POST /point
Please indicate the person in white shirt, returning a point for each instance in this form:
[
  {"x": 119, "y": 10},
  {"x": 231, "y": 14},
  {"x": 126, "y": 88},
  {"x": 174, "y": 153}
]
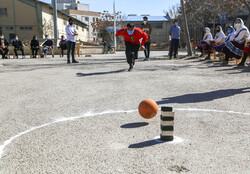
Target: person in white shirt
[
  {"x": 221, "y": 44},
  {"x": 204, "y": 44},
  {"x": 71, "y": 41},
  {"x": 234, "y": 47},
  {"x": 220, "y": 35}
]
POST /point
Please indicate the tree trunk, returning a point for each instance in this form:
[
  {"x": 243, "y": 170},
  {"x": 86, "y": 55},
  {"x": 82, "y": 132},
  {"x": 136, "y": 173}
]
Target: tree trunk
[
  {"x": 248, "y": 7},
  {"x": 189, "y": 48},
  {"x": 248, "y": 19}
]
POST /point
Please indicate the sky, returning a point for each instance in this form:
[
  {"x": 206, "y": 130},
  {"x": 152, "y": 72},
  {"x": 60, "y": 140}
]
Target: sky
[{"x": 139, "y": 7}]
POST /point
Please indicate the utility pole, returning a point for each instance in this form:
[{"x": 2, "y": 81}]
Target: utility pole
[
  {"x": 114, "y": 26},
  {"x": 54, "y": 4},
  {"x": 189, "y": 48}
]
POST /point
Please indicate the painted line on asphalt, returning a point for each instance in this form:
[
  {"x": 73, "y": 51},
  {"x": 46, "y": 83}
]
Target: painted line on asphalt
[{"x": 91, "y": 114}]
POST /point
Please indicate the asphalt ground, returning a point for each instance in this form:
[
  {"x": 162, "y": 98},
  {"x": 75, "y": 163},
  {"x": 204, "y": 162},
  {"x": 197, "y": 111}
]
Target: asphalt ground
[{"x": 82, "y": 118}]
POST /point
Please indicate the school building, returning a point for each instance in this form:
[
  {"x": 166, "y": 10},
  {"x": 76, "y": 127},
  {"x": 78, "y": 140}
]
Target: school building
[
  {"x": 26, "y": 18},
  {"x": 160, "y": 26}
]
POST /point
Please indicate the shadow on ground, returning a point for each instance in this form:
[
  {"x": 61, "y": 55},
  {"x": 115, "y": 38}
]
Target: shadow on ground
[
  {"x": 134, "y": 125},
  {"x": 99, "y": 73},
  {"x": 145, "y": 144},
  {"x": 204, "y": 97}
]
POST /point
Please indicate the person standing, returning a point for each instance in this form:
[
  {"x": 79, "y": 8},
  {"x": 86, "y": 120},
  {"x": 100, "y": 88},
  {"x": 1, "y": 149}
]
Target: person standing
[
  {"x": 3, "y": 46},
  {"x": 132, "y": 36},
  {"x": 18, "y": 45},
  {"x": 147, "y": 28},
  {"x": 174, "y": 33},
  {"x": 34, "y": 45},
  {"x": 71, "y": 41}
]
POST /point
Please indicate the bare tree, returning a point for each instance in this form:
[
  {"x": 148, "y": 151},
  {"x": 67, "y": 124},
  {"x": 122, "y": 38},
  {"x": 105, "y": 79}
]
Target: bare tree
[
  {"x": 47, "y": 27},
  {"x": 173, "y": 12},
  {"x": 105, "y": 21},
  {"x": 189, "y": 48}
]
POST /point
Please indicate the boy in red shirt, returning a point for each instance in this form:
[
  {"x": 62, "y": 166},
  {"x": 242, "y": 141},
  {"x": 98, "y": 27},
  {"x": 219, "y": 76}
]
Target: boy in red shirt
[{"x": 132, "y": 36}]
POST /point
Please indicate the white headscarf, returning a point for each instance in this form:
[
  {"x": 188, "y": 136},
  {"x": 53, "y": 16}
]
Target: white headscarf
[
  {"x": 219, "y": 35},
  {"x": 208, "y": 36},
  {"x": 239, "y": 33}
]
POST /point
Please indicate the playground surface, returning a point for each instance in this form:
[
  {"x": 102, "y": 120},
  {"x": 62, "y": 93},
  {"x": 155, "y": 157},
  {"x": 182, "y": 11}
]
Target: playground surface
[{"x": 82, "y": 118}]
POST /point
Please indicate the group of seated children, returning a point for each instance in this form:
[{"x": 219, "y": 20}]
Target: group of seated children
[
  {"x": 34, "y": 46},
  {"x": 232, "y": 46}
]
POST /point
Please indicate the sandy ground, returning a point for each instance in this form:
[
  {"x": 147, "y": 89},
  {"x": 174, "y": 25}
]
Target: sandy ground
[{"x": 82, "y": 118}]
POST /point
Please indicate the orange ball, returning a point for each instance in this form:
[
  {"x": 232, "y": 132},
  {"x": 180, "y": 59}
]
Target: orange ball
[{"x": 148, "y": 108}]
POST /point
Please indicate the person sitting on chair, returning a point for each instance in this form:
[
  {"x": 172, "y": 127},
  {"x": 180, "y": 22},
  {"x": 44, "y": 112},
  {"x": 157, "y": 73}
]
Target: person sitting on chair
[
  {"x": 246, "y": 53},
  {"x": 204, "y": 45},
  {"x": 18, "y": 45},
  {"x": 47, "y": 45},
  {"x": 63, "y": 44},
  {"x": 234, "y": 47},
  {"x": 34, "y": 45},
  {"x": 3, "y": 46}
]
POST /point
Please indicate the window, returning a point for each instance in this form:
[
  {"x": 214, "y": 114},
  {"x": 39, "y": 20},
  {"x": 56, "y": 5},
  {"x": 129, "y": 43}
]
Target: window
[
  {"x": 93, "y": 19},
  {"x": 1, "y": 31},
  {"x": 9, "y": 28},
  {"x": 67, "y": 6},
  {"x": 26, "y": 28},
  {"x": 3, "y": 11},
  {"x": 64, "y": 21},
  {"x": 86, "y": 18},
  {"x": 157, "y": 25}
]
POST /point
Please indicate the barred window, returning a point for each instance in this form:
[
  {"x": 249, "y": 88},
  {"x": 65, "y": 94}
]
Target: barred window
[
  {"x": 157, "y": 25},
  {"x": 3, "y": 11},
  {"x": 9, "y": 28},
  {"x": 26, "y": 28}
]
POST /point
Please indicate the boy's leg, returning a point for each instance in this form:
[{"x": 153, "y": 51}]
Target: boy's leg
[
  {"x": 22, "y": 52},
  {"x": 129, "y": 54},
  {"x": 176, "y": 46},
  {"x": 1, "y": 52},
  {"x": 243, "y": 61},
  {"x": 148, "y": 48},
  {"x": 135, "y": 50},
  {"x": 171, "y": 48},
  {"x": 73, "y": 52},
  {"x": 68, "y": 51},
  {"x": 15, "y": 50}
]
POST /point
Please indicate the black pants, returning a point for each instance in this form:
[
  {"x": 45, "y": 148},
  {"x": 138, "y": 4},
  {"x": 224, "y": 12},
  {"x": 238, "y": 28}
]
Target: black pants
[
  {"x": 71, "y": 47},
  {"x": 131, "y": 52},
  {"x": 174, "y": 47},
  {"x": 147, "y": 49},
  {"x": 244, "y": 58},
  {"x": 34, "y": 51},
  {"x": 4, "y": 51},
  {"x": 63, "y": 47},
  {"x": 21, "y": 49}
]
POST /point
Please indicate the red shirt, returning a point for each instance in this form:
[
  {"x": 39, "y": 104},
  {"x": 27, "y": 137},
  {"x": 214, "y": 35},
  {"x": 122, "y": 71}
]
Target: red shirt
[{"x": 135, "y": 37}]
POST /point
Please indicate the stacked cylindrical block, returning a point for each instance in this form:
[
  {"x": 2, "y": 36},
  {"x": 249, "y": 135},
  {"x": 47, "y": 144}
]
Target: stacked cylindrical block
[{"x": 167, "y": 123}]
